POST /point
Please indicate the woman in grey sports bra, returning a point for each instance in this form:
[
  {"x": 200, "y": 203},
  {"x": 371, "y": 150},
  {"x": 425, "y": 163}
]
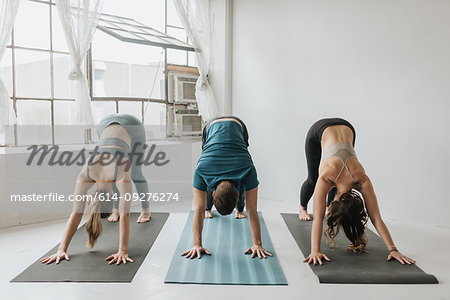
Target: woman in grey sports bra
[
  {"x": 127, "y": 128},
  {"x": 113, "y": 165},
  {"x": 335, "y": 172}
]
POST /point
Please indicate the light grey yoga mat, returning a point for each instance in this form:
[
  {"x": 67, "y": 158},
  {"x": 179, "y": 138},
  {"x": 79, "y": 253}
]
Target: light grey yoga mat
[
  {"x": 227, "y": 239},
  {"x": 89, "y": 265},
  {"x": 347, "y": 267}
]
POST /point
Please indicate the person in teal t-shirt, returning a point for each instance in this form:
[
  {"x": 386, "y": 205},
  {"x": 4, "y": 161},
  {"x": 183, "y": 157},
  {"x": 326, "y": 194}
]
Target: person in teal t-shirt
[{"x": 225, "y": 176}]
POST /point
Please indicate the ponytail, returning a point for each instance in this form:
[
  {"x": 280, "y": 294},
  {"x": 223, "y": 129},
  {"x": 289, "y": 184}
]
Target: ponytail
[{"x": 94, "y": 225}]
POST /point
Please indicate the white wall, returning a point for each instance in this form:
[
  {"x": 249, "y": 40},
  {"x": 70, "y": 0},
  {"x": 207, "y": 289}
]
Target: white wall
[
  {"x": 220, "y": 73},
  {"x": 383, "y": 65}
]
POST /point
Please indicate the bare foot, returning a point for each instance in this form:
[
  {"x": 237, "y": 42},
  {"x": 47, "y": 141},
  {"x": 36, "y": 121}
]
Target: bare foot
[
  {"x": 208, "y": 214},
  {"x": 144, "y": 217},
  {"x": 239, "y": 215},
  {"x": 114, "y": 216},
  {"x": 303, "y": 214}
]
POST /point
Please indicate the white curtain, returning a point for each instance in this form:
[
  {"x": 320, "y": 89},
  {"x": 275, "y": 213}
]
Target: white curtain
[
  {"x": 8, "y": 12},
  {"x": 195, "y": 15},
  {"x": 79, "y": 20}
]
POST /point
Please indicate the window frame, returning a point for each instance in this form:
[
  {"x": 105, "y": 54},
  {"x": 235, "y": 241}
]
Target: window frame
[{"x": 89, "y": 74}]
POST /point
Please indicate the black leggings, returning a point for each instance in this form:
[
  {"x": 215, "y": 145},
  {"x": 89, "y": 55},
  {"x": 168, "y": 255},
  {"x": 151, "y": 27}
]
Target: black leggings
[{"x": 313, "y": 151}]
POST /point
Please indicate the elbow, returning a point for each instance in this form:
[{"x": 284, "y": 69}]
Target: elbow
[
  {"x": 318, "y": 219},
  {"x": 199, "y": 207},
  {"x": 252, "y": 212},
  {"x": 377, "y": 221},
  {"x": 76, "y": 216}
]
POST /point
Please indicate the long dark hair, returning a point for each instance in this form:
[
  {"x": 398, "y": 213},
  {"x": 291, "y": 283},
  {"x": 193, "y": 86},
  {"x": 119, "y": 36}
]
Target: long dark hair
[{"x": 348, "y": 212}]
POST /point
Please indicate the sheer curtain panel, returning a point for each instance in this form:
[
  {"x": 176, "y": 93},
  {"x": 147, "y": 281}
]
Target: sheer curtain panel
[
  {"x": 195, "y": 15},
  {"x": 8, "y": 12},
  {"x": 79, "y": 20}
]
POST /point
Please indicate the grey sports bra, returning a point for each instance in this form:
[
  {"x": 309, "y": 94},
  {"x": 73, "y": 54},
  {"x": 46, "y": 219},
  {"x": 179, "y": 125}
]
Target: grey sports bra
[
  {"x": 118, "y": 153},
  {"x": 343, "y": 151}
]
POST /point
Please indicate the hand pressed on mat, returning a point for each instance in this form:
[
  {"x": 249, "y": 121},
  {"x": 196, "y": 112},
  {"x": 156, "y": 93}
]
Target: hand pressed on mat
[
  {"x": 316, "y": 257},
  {"x": 118, "y": 258},
  {"x": 400, "y": 257},
  {"x": 58, "y": 256},
  {"x": 196, "y": 251},
  {"x": 258, "y": 250}
]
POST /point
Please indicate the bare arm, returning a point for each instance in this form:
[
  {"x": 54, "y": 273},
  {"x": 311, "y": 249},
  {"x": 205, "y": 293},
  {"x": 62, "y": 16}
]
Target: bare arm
[
  {"x": 123, "y": 184},
  {"x": 125, "y": 189},
  {"x": 373, "y": 210},
  {"x": 251, "y": 198},
  {"x": 197, "y": 225},
  {"x": 82, "y": 187},
  {"x": 199, "y": 213},
  {"x": 323, "y": 185},
  {"x": 320, "y": 204}
]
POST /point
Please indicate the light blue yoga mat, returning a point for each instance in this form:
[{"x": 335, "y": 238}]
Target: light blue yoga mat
[{"x": 227, "y": 239}]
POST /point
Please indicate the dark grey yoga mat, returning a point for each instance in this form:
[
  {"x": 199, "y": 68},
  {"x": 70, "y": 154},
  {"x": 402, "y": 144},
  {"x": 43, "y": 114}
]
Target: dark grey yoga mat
[
  {"x": 89, "y": 265},
  {"x": 347, "y": 267}
]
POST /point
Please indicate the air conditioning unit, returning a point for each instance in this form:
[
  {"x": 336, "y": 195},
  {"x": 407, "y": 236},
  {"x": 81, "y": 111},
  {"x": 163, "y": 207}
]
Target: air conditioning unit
[
  {"x": 181, "y": 88},
  {"x": 187, "y": 122},
  {"x": 182, "y": 112}
]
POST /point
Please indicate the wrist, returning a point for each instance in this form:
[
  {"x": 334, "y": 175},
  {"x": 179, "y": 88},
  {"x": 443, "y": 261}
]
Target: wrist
[{"x": 392, "y": 249}]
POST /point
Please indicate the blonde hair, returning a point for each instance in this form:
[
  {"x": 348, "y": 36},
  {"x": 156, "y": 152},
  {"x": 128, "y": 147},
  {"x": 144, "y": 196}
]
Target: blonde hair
[{"x": 94, "y": 225}]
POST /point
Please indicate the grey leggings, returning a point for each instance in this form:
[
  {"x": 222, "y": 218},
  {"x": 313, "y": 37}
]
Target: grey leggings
[{"x": 136, "y": 132}]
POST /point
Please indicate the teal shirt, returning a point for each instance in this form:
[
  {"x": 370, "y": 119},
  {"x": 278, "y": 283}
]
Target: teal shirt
[{"x": 225, "y": 157}]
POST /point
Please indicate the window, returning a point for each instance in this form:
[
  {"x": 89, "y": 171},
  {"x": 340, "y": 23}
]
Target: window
[{"x": 130, "y": 79}]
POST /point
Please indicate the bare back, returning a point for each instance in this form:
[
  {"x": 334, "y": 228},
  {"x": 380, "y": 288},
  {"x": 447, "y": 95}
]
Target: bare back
[
  {"x": 102, "y": 174},
  {"x": 226, "y": 119},
  {"x": 332, "y": 168},
  {"x": 115, "y": 131}
]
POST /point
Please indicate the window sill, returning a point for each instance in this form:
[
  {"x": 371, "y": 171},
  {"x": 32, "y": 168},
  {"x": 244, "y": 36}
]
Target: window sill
[{"x": 77, "y": 147}]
